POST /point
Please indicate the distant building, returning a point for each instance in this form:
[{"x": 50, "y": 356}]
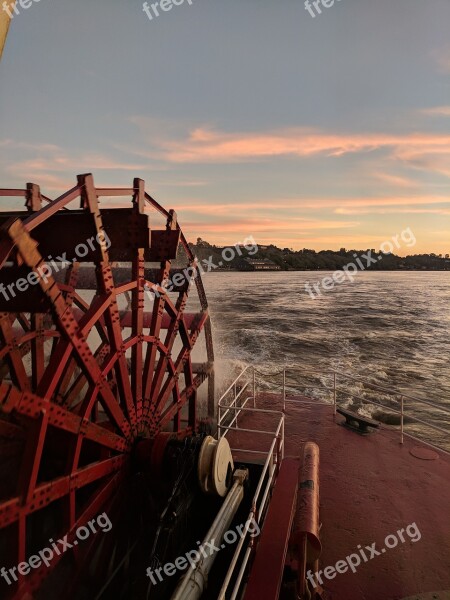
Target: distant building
[
  {"x": 258, "y": 264},
  {"x": 245, "y": 246}
]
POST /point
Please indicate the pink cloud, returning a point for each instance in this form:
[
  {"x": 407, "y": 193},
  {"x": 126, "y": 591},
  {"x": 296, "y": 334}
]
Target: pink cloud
[
  {"x": 392, "y": 211},
  {"x": 265, "y": 224},
  {"x": 300, "y": 204},
  {"x": 443, "y": 111},
  {"x": 204, "y": 145}
]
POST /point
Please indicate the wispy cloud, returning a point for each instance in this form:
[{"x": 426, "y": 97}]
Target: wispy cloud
[
  {"x": 432, "y": 159},
  {"x": 396, "y": 180},
  {"x": 54, "y": 168},
  {"x": 205, "y": 145},
  {"x": 183, "y": 183},
  {"x": 442, "y": 58},
  {"x": 295, "y": 205},
  {"x": 362, "y": 201},
  {"x": 392, "y": 211},
  {"x": 250, "y": 226},
  {"x": 437, "y": 111}
]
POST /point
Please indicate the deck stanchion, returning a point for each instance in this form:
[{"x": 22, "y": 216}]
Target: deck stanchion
[
  {"x": 401, "y": 418},
  {"x": 334, "y": 393},
  {"x": 254, "y": 388},
  {"x": 284, "y": 388},
  {"x": 235, "y": 403}
]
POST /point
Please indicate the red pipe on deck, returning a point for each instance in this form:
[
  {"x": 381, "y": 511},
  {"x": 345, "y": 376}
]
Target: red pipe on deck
[{"x": 307, "y": 522}]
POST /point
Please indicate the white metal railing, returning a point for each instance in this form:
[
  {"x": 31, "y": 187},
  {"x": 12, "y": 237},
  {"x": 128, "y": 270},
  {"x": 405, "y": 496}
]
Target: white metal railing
[
  {"x": 228, "y": 421},
  {"x": 405, "y": 405},
  {"x": 233, "y": 403}
]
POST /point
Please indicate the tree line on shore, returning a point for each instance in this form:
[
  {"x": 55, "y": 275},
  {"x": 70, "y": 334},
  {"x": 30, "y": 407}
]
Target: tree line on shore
[{"x": 304, "y": 260}]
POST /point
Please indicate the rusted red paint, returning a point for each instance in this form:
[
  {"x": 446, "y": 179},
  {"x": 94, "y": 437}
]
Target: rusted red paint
[
  {"x": 305, "y": 539},
  {"x": 88, "y": 403},
  {"x": 370, "y": 487},
  {"x": 267, "y": 571}
]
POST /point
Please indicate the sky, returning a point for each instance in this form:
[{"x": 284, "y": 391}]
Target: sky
[{"x": 248, "y": 117}]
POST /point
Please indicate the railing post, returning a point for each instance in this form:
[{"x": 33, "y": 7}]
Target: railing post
[
  {"x": 284, "y": 388},
  {"x": 254, "y": 388},
  {"x": 218, "y": 423},
  {"x": 334, "y": 392},
  {"x": 235, "y": 404},
  {"x": 401, "y": 418}
]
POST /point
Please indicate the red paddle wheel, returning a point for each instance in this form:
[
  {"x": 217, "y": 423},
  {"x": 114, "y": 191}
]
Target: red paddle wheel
[{"x": 97, "y": 352}]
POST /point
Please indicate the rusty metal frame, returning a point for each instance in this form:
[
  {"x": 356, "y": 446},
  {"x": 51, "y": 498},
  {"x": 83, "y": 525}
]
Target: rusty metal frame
[{"x": 89, "y": 405}]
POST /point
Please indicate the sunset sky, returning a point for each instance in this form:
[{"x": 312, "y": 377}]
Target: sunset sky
[{"x": 249, "y": 117}]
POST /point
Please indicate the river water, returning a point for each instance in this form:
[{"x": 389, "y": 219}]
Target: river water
[{"x": 387, "y": 328}]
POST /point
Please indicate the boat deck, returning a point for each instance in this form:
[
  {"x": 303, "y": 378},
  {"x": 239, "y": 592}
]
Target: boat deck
[{"x": 370, "y": 487}]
